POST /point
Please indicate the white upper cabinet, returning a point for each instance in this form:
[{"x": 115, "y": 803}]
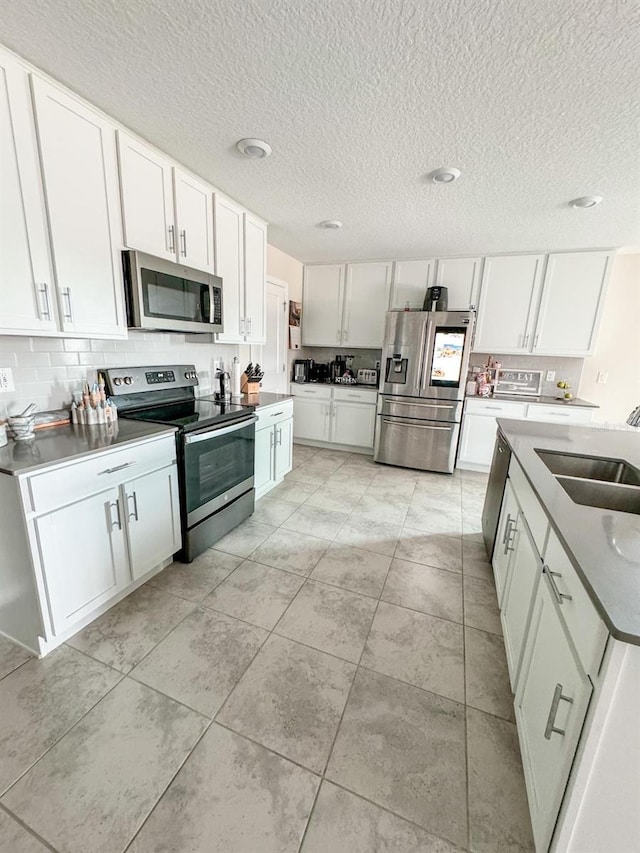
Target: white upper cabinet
[
  {"x": 147, "y": 199},
  {"x": 410, "y": 282},
  {"x": 229, "y": 245},
  {"x": 255, "y": 279},
  {"x": 365, "y": 303},
  {"x": 322, "y": 302},
  {"x": 508, "y": 303},
  {"x": 461, "y": 276},
  {"x": 26, "y": 278},
  {"x": 572, "y": 300},
  {"x": 78, "y": 152},
  {"x": 166, "y": 211},
  {"x": 194, "y": 221}
]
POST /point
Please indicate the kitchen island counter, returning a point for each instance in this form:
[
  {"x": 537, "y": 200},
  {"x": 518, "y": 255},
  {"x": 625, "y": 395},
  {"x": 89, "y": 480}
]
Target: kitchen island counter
[
  {"x": 264, "y": 398},
  {"x": 603, "y": 545}
]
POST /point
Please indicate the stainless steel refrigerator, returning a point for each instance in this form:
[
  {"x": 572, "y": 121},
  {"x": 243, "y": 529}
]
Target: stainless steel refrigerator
[{"x": 422, "y": 384}]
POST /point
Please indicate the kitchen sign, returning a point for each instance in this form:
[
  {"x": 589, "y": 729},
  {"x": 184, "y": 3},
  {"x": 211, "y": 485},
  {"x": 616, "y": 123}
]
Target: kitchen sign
[{"x": 525, "y": 382}]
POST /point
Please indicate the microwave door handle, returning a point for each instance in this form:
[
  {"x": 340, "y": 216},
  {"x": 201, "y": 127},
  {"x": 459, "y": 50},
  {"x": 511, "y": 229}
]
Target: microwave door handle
[{"x": 212, "y": 313}]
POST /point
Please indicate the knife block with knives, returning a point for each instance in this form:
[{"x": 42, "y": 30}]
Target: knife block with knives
[{"x": 251, "y": 378}]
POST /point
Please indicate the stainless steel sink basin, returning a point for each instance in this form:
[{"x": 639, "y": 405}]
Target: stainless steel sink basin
[
  {"x": 617, "y": 497},
  {"x": 590, "y": 467}
]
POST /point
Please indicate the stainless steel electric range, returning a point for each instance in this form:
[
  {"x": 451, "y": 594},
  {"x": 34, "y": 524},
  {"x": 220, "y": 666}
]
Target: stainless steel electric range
[{"x": 215, "y": 447}]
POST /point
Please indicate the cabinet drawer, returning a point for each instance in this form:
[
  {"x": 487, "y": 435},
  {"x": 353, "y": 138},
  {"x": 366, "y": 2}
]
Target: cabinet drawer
[
  {"x": 497, "y": 408},
  {"x": 530, "y": 505},
  {"x": 320, "y": 392},
  {"x": 355, "y": 395},
  {"x": 586, "y": 628},
  {"x": 559, "y": 414},
  {"x": 270, "y": 415},
  {"x": 78, "y": 480}
]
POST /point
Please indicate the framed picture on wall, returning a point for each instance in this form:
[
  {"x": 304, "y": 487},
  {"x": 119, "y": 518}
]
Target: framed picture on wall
[{"x": 295, "y": 318}]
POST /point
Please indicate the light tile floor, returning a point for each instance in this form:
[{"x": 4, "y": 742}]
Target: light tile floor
[{"x": 330, "y": 678}]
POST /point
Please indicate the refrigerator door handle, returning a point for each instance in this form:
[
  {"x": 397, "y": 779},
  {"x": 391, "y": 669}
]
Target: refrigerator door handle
[{"x": 421, "y": 350}]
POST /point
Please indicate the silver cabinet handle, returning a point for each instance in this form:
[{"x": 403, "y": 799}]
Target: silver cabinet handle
[
  {"x": 550, "y": 728},
  {"x": 275, "y": 414},
  {"x": 535, "y": 342},
  {"x": 250, "y": 322},
  {"x": 346, "y": 334},
  {"x": 134, "y": 498},
  {"x": 271, "y": 440},
  {"x": 279, "y": 437},
  {"x": 511, "y": 529},
  {"x": 66, "y": 296},
  {"x": 46, "y": 310},
  {"x": 116, "y": 468},
  {"x": 525, "y": 341},
  {"x": 242, "y": 326},
  {"x": 559, "y": 596},
  {"x": 338, "y": 336},
  {"x": 183, "y": 240},
  {"x": 172, "y": 238},
  {"x": 118, "y": 522},
  {"x": 507, "y": 525}
]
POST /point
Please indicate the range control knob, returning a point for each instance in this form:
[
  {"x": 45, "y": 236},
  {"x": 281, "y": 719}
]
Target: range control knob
[
  {"x": 128, "y": 380},
  {"x": 117, "y": 381}
]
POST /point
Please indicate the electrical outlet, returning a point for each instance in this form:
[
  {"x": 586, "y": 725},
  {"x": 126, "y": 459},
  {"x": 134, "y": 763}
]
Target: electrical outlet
[
  {"x": 6, "y": 379},
  {"x": 551, "y": 375},
  {"x": 602, "y": 377}
]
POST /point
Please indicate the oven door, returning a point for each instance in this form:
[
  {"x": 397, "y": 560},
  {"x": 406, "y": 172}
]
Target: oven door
[
  {"x": 218, "y": 467},
  {"x": 166, "y": 295}
]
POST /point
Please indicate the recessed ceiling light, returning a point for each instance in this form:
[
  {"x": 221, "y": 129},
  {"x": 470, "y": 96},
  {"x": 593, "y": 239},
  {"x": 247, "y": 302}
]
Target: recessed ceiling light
[
  {"x": 255, "y": 149},
  {"x": 586, "y": 201},
  {"x": 330, "y": 224},
  {"x": 445, "y": 175}
]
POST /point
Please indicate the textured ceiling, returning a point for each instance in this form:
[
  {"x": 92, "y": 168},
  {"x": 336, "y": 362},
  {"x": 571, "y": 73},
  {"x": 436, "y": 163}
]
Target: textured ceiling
[{"x": 536, "y": 102}]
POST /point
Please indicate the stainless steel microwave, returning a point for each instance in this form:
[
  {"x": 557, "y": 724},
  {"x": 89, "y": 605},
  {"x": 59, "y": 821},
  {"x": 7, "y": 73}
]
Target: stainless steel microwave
[{"x": 164, "y": 295}]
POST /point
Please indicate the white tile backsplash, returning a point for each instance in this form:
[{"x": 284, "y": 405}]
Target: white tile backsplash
[{"x": 47, "y": 370}]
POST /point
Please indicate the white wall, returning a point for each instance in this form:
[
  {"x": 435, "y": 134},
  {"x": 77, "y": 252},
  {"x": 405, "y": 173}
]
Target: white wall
[
  {"x": 618, "y": 346},
  {"x": 286, "y": 268},
  {"x": 47, "y": 370}
]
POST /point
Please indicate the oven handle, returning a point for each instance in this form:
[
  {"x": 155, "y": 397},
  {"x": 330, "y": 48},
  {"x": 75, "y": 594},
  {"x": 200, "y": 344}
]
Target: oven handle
[{"x": 216, "y": 433}]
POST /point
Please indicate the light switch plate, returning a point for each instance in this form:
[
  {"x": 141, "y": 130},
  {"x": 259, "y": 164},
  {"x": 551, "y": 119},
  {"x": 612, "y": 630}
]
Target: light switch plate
[
  {"x": 602, "y": 377},
  {"x": 551, "y": 375},
  {"x": 6, "y": 379}
]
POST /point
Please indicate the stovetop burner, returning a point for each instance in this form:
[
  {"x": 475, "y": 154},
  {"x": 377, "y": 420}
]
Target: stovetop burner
[{"x": 165, "y": 395}]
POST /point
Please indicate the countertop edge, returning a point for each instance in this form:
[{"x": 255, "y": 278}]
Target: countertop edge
[{"x": 615, "y": 632}]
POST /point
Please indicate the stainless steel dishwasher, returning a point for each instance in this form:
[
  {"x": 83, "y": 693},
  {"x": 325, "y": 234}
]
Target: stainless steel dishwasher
[{"x": 495, "y": 491}]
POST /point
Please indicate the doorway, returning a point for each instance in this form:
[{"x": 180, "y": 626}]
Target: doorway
[{"x": 274, "y": 352}]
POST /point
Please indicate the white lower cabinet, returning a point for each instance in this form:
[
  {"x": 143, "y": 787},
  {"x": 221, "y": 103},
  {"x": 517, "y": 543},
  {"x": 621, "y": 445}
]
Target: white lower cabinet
[
  {"x": 353, "y": 423},
  {"x": 83, "y": 555},
  {"x": 152, "y": 510},
  {"x": 311, "y": 418},
  {"x": 524, "y": 571},
  {"x": 274, "y": 446},
  {"x": 551, "y": 705}
]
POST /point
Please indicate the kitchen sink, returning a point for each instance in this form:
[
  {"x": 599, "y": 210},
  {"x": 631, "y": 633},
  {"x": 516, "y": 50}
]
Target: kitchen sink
[
  {"x": 590, "y": 468},
  {"x": 614, "y": 496}
]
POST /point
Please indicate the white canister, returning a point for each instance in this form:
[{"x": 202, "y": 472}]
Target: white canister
[
  {"x": 235, "y": 378},
  {"x": 3, "y": 434}
]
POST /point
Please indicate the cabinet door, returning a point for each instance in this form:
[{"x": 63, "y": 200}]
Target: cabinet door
[
  {"x": 551, "y": 704},
  {"x": 322, "y": 302},
  {"x": 572, "y": 300},
  {"x": 147, "y": 199},
  {"x": 255, "y": 279},
  {"x": 283, "y": 448},
  {"x": 508, "y": 303},
  {"x": 194, "y": 221},
  {"x": 525, "y": 569},
  {"x": 83, "y": 555},
  {"x": 353, "y": 423},
  {"x": 410, "y": 282},
  {"x": 79, "y": 164},
  {"x": 229, "y": 245},
  {"x": 26, "y": 277},
  {"x": 478, "y": 440},
  {"x": 503, "y": 548},
  {"x": 311, "y": 419},
  {"x": 462, "y": 278},
  {"x": 263, "y": 475},
  {"x": 365, "y": 303},
  {"x": 153, "y": 519}
]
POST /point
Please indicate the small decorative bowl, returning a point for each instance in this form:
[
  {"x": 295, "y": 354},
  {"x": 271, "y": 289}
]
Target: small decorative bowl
[{"x": 22, "y": 427}]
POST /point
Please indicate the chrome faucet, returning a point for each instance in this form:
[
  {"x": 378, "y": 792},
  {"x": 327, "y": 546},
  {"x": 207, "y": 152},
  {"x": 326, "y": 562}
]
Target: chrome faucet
[{"x": 634, "y": 417}]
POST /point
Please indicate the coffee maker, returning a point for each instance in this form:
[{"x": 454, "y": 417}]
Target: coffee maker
[{"x": 303, "y": 369}]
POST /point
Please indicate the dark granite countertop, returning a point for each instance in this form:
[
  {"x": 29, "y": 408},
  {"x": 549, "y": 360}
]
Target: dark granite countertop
[
  {"x": 603, "y": 545},
  {"x": 264, "y": 398},
  {"x": 58, "y": 444},
  {"x": 576, "y": 402}
]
